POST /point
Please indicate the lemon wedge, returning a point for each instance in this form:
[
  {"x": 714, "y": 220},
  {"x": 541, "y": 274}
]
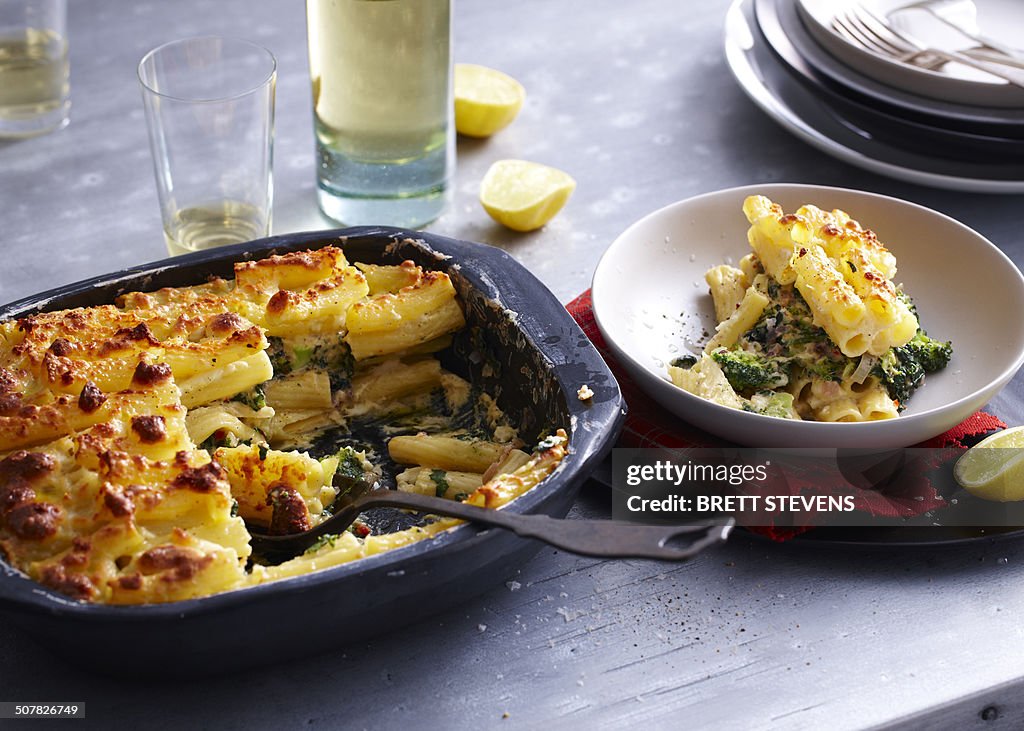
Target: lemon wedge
[
  {"x": 486, "y": 100},
  {"x": 524, "y": 195},
  {"x": 994, "y": 468}
]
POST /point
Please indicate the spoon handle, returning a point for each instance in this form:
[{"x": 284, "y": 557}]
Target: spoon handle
[{"x": 599, "y": 538}]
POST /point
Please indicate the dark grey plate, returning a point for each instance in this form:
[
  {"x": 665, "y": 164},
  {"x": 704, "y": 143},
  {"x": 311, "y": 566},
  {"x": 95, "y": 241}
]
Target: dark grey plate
[{"x": 537, "y": 356}]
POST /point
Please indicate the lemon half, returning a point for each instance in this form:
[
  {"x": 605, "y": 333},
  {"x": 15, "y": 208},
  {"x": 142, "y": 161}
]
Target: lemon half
[
  {"x": 524, "y": 195},
  {"x": 486, "y": 100},
  {"x": 994, "y": 468}
]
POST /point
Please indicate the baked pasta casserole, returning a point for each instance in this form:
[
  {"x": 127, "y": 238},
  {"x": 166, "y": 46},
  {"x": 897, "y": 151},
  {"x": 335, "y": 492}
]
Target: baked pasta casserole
[
  {"x": 811, "y": 324},
  {"x": 139, "y": 439}
]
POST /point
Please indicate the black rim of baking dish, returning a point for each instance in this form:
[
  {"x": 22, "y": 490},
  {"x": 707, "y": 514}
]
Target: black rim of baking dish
[{"x": 594, "y": 424}]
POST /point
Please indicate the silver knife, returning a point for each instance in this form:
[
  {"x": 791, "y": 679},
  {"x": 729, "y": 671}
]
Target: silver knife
[{"x": 926, "y": 22}]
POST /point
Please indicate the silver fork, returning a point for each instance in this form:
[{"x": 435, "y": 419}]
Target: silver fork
[{"x": 862, "y": 27}]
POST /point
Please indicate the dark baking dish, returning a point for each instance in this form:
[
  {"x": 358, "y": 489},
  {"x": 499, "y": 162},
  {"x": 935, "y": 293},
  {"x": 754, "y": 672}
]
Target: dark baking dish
[{"x": 535, "y": 358}]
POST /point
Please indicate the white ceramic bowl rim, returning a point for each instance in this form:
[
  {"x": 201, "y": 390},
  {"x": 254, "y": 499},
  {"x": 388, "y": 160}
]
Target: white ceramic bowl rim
[{"x": 811, "y": 193}]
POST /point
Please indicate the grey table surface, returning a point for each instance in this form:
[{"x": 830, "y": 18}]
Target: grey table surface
[{"x": 634, "y": 100}]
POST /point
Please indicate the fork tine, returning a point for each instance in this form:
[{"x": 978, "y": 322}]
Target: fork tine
[
  {"x": 887, "y": 47},
  {"x": 854, "y": 31},
  {"x": 874, "y": 34},
  {"x": 844, "y": 28},
  {"x": 882, "y": 30},
  {"x": 841, "y": 30}
]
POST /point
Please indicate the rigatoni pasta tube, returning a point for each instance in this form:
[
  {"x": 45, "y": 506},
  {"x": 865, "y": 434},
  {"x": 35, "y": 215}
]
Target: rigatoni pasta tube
[
  {"x": 728, "y": 285},
  {"x": 319, "y": 310},
  {"x": 435, "y": 481},
  {"x": 446, "y": 453},
  {"x": 875, "y": 402},
  {"x": 188, "y": 359},
  {"x": 706, "y": 379},
  {"x": 390, "y": 323},
  {"x": 769, "y": 237},
  {"x": 839, "y": 235},
  {"x": 292, "y": 428},
  {"x": 835, "y": 305},
  {"x": 205, "y": 421},
  {"x": 383, "y": 278},
  {"x": 226, "y": 381},
  {"x": 67, "y": 414},
  {"x": 294, "y": 270},
  {"x": 742, "y": 319},
  {"x": 393, "y": 379},
  {"x": 306, "y": 389}
]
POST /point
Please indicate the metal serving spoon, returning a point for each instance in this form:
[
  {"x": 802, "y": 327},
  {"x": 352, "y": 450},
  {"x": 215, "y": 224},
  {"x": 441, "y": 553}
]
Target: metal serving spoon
[{"x": 600, "y": 538}]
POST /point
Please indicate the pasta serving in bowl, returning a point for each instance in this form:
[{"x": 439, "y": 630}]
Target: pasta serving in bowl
[
  {"x": 811, "y": 324},
  {"x": 804, "y": 316}
]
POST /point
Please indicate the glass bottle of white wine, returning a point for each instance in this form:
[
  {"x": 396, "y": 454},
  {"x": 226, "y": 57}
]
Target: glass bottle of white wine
[{"x": 382, "y": 103}]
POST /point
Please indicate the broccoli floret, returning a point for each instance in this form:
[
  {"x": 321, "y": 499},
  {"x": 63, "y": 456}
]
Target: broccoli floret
[
  {"x": 770, "y": 403},
  {"x": 902, "y": 369},
  {"x": 933, "y": 355},
  {"x": 334, "y": 357},
  {"x": 900, "y": 373},
  {"x": 751, "y": 372},
  {"x": 278, "y": 356},
  {"x": 349, "y": 464},
  {"x": 254, "y": 398},
  {"x": 905, "y": 299},
  {"x": 761, "y": 332},
  {"x": 353, "y": 472},
  {"x": 829, "y": 369},
  {"x": 301, "y": 355}
]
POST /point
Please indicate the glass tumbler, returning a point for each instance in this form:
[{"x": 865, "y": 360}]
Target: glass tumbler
[
  {"x": 210, "y": 113},
  {"x": 35, "y": 92}
]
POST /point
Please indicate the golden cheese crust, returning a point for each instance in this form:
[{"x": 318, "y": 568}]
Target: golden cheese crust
[
  {"x": 841, "y": 270},
  {"x": 84, "y": 513},
  {"x": 135, "y": 437}
]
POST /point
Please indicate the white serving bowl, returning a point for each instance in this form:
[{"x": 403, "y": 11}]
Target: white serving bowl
[{"x": 652, "y": 304}]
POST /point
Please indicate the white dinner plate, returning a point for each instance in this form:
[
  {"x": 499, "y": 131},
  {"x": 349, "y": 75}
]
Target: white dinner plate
[
  {"x": 787, "y": 34},
  {"x": 1001, "y": 20},
  {"x": 811, "y": 118},
  {"x": 651, "y": 304}
]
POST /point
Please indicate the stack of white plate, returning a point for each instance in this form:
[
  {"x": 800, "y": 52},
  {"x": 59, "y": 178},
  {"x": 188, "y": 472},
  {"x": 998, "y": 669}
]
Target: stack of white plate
[{"x": 951, "y": 127}]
